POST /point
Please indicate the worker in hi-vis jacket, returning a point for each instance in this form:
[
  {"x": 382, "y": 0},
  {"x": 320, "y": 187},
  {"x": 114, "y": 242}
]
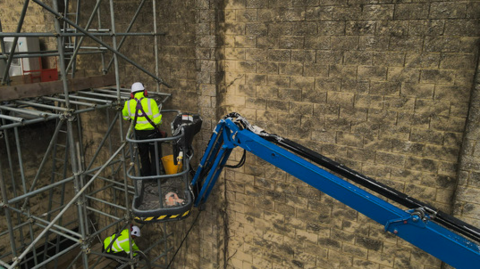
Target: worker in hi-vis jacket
[
  {"x": 121, "y": 245},
  {"x": 147, "y": 118}
]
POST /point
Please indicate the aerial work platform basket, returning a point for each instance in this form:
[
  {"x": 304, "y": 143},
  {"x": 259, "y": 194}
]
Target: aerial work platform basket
[{"x": 165, "y": 196}]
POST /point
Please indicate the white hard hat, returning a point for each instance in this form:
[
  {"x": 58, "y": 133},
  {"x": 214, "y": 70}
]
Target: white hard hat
[
  {"x": 135, "y": 231},
  {"x": 136, "y": 87}
]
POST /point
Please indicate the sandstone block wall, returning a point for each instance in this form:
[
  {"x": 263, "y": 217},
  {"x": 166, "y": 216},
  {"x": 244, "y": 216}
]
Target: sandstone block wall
[
  {"x": 381, "y": 86},
  {"x": 466, "y": 203}
]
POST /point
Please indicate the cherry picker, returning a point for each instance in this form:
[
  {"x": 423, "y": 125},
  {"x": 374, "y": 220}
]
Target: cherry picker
[{"x": 443, "y": 236}]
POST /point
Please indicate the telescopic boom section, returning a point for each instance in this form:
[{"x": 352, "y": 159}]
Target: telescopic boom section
[{"x": 441, "y": 235}]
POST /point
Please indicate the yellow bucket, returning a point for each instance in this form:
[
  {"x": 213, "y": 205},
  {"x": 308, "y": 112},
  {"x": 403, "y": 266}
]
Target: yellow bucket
[{"x": 170, "y": 167}]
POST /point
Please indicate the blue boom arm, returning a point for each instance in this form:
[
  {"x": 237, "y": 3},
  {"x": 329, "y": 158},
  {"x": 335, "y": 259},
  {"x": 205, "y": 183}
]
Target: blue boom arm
[{"x": 444, "y": 237}]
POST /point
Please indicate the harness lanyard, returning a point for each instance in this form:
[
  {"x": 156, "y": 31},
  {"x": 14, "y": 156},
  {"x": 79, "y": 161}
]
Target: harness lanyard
[{"x": 139, "y": 107}]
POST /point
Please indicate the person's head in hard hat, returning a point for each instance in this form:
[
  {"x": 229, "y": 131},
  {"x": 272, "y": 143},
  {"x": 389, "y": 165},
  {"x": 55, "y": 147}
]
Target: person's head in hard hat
[
  {"x": 135, "y": 232},
  {"x": 136, "y": 88}
]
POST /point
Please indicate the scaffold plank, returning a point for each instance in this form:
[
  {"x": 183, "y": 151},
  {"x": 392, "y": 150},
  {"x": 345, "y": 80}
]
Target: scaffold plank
[{"x": 9, "y": 93}]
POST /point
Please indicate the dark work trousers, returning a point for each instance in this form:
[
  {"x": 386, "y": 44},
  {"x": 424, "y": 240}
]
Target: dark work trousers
[{"x": 147, "y": 152}]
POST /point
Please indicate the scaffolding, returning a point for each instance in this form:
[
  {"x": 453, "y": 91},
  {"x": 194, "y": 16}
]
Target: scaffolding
[{"x": 39, "y": 239}]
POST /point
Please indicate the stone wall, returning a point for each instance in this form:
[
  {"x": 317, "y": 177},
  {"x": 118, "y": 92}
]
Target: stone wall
[
  {"x": 380, "y": 86},
  {"x": 466, "y": 202}
]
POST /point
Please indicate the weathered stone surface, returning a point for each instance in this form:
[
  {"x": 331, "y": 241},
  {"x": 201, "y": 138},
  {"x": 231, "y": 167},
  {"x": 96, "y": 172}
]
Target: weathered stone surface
[
  {"x": 411, "y": 11},
  {"x": 445, "y": 10}
]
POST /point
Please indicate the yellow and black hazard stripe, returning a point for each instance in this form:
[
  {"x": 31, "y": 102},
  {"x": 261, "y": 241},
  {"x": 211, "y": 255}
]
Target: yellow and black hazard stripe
[{"x": 163, "y": 218}]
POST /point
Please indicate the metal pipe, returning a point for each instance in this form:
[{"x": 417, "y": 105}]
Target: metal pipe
[
  {"x": 103, "y": 213},
  {"x": 122, "y": 91},
  {"x": 74, "y": 261},
  {"x": 157, "y": 166},
  {"x": 125, "y": 184},
  {"x": 73, "y": 59},
  {"x": 44, "y": 160},
  {"x": 29, "y": 52},
  {"x": 102, "y": 49},
  {"x": 54, "y": 210},
  {"x": 165, "y": 246},
  {"x": 6, "y": 209},
  {"x": 111, "y": 257},
  {"x": 37, "y": 191},
  {"x": 108, "y": 227},
  {"x": 12, "y": 176},
  {"x": 109, "y": 130},
  {"x": 37, "y": 219},
  {"x": 99, "y": 23},
  {"x": 100, "y": 189},
  {"x": 79, "y": 111},
  {"x": 157, "y": 243},
  {"x": 63, "y": 34},
  {"x": 60, "y": 49},
  {"x": 74, "y": 199},
  {"x": 12, "y": 118},
  {"x": 12, "y": 125},
  {"x": 74, "y": 96},
  {"x": 99, "y": 41},
  {"x": 77, "y": 45},
  {"x": 112, "y": 185},
  {"x": 117, "y": 79},
  {"x": 15, "y": 228},
  {"x": 30, "y": 228},
  {"x": 130, "y": 25},
  {"x": 89, "y": 30},
  {"x": 114, "y": 44},
  {"x": 4, "y": 264},
  {"x": 28, "y": 111},
  {"x": 104, "y": 95},
  {"x": 2, "y": 43},
  {"x": 77, "y": 184},
  {"x": 96, "y": 169},
  {"x": 105, "y": 202},
  {"x": 155, "y": 41},
  {"x": 33, "y": 55},
  {"x": 51, "y": 191},
  {"x": 71, "y": 102},
  {"x": 15, "y": 40},
  {"x": 66, "y": 250},
  {"x": 110, "y": 150},
  {"x": 43, "y": 106},
  {"x": 81, "y": 163},
  {"x": 161, "y": 255},
  {"x": 131, "y": 192},
  {"x": 20, "y": 159}
]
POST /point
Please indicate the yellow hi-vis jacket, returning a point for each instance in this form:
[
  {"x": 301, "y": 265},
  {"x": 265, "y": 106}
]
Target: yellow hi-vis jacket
[
  {"x": 121, "y": 244},
  {"x": 149, "y": 106}
]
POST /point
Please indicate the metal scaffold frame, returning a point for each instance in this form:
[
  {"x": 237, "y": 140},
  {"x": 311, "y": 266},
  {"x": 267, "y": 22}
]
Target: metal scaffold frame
[{"x": 36, "y": 237}]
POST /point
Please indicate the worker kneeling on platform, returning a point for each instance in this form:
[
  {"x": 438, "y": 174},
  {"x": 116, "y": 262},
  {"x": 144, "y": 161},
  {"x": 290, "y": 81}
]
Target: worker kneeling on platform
[{"x": 121, "y": 246}]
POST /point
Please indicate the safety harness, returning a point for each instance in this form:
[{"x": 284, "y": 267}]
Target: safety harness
[{"x": 140, "y": 108}]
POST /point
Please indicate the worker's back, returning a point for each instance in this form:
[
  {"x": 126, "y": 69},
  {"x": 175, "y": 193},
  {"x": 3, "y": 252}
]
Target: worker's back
[{"x": 121, "y": 244}]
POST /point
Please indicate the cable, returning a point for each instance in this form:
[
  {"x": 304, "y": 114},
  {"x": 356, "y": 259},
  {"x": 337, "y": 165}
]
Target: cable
[
  {"x": 240, "y": 163},
  {"x": 183, "y": 240}
]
